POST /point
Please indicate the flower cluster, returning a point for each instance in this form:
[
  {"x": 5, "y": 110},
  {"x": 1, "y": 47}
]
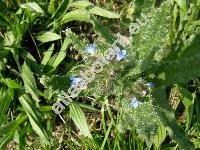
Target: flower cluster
[
  {"x": 80, "y": 83},
  {"x": 134, "y": 102},
  {"x": 120, "y": 54}
]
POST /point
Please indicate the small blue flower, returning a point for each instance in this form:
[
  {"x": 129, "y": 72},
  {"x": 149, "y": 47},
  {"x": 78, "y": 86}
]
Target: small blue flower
[
  {"x": 75, "y": 80},
  {"x": 91, "y": 48},
  {"x": 121, "y": 54},
  {"x": 134, "y": 103},
  {"x": 150, "y": 84}
]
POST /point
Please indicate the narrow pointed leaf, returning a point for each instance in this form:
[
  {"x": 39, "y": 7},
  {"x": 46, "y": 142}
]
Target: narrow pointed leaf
[
  {"x": 79, "y": 119},
  {"x": 29, "y": 82},
  {"x": 94, "y": 9},
  {"x": 48, "y": 36}
]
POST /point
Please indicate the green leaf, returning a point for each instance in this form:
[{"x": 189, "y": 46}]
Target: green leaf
[
  {"x": 48, "y": 36},
  {"x": 35, "y": 118},
  {"x": 102, "y": 31},
  {"x": 33, "y": 63},
  {"x": 3, "y": 52},
  {"x": 56, "y": 59},
  {"x": 149, "y": 40},
  {"x": 106, "y": 136},
  {"x": 182, "y": 65},
  {"x": 79, "y": 119},
  {"x": 56, "y": 83},
  {"x": 168, "y": 119},
  {"x": 62, "y": 9},
  {"x": 8, "y": 130},
  {"x": 12, "y": 126},
  {"x": 33, "y": 7},
  {"x": 47, "y": 55},
  {"x": 5, "y": 140},
  {"x": 143, "y": 6},
  {"x": 188, "y": 101},
  {"x": 51, "y": 7},
  {"x": 12, "y": 83},
  {"x": 160, "y": 136},
  {"x": 29, "y": 82},
  {"x": 4, "y": 20},
  {"x": 78, "y": 15},
  {"x": 92, "y": 9},
  {"x": 6, "y": 97},
  {"x": 62, "y": 53}
]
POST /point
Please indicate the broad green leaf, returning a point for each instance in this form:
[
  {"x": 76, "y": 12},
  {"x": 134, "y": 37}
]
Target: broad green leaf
[
  {"x": 149, "y": 39},
  {"x": 48, "y": 36},
  {"x": 29, "y": 83},
  {"x": 78, "y": 15},
  {"x": 33, "y": 7},
  {"x": 182, "y": 65},
  {"x": 92, "y": 9},
  {"x": 79, "y": 119},
  {"x": 35, "y": 118},
  {"x": 168, "y": 119}
]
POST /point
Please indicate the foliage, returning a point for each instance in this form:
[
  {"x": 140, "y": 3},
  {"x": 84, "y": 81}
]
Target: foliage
[{"x": 147, "y": 97}]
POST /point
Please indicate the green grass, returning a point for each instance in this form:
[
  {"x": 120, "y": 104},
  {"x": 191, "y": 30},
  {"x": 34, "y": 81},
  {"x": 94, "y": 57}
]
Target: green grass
[{"x": 39, "y": 54}]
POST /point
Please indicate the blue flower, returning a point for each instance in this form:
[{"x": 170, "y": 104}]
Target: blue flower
[
  {"x": 121, "y": 54},
  {"x": 134, "y": 103},
  {"x": 75, "y": 80},
  {"x": 91, "y": 48},
  {"x": 150, "y": 84}
]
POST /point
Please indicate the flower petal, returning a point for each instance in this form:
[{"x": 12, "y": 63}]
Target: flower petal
[{"x": 91, "y": 49}]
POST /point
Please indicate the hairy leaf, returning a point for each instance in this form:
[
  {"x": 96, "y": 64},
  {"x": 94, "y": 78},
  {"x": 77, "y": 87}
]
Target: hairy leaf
[
  {"x": 181, "y": 66},
  {"x": 168, "y": 119}
]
